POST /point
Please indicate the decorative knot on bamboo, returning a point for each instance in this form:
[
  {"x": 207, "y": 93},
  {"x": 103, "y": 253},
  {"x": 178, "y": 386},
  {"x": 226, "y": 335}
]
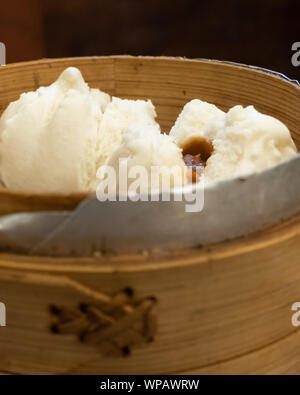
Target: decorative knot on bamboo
[{"x": 114, "y": 325}]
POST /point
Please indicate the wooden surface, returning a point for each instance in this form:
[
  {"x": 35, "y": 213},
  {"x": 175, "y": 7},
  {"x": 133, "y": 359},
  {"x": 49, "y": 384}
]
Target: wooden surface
[{"x": 221, "y": 309}]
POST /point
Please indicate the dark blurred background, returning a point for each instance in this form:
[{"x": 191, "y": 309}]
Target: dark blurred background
[{"x": 258, "y": 32}]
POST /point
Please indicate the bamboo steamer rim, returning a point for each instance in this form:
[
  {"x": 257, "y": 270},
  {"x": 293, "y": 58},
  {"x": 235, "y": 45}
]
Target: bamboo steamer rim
[
  {"x": 83, "y": 59},
  {"x": 261, "y": 240},
  {"x": 108, "y": 264}
]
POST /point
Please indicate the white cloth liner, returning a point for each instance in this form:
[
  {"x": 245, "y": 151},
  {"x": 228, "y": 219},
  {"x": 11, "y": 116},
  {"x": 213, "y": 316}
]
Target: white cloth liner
[{"x": 232, "y": 208}]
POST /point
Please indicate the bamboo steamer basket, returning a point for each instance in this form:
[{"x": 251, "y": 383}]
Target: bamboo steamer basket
[{"x": 222, "y": 309}]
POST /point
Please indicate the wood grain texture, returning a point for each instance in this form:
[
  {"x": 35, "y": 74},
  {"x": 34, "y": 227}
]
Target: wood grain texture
[
  {"x": 221, "y": 309},
  {"x": 218, "y": 309},
  {"x": 224, "y": 309}
]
